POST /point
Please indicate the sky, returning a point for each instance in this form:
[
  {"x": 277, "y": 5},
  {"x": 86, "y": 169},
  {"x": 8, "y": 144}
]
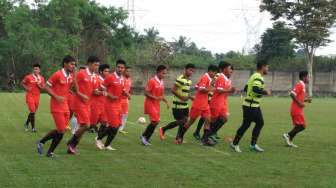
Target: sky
[{"x": 217, "y": 25}]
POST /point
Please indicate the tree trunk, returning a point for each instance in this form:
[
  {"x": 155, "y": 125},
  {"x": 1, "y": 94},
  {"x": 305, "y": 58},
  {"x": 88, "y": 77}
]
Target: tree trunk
[{"x": 310, "y": 59}]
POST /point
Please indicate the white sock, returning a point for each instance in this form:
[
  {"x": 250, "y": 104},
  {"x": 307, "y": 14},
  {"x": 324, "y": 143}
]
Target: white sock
[
  {"x": 73, "y": 122},
  {"x": 123, "y": 121}
]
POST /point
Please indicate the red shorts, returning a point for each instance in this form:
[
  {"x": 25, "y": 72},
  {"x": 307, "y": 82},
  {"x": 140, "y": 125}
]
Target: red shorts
[
  {"x": 83, "y": 116},
  {"x": 124, "y": 106},
  {"x": 114, "y": 117},
  {"x": 299, "y": 120},
  {"x": 153, "y": 112},
  {"x": 32, "y": 103},
  {"x": 219, "y": 112},
  {"x": 195, "y": 113},
  {"x": 61, "y": 120},
  {"x": 97, "y": 115}
]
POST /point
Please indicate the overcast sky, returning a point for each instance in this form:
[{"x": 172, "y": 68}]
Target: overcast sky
[{"x": 217, "y": 25}]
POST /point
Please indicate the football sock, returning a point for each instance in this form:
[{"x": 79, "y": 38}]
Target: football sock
[
  {"x": 56, "y": 140},
  {"x": 170, "y": 126},
  {"x": 295, "y": 131},
  {"x": 48, "y": 136},
  {"x": 112, "y": 132}
]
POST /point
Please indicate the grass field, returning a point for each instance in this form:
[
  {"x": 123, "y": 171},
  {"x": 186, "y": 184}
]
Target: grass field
[{"x": 167, "y": 165}]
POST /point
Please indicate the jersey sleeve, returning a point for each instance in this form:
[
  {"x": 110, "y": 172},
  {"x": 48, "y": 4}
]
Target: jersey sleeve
[
  {"x": 220, "y": 84},
  {"x": 53, "y": 79},
  {"x": 297, "y": 89},
  {"x": 25, "y": 79},
  {"x": 203, "y": 83},
  {"x": 150, "y": 85},
  {"x": 258, "y": 82}
]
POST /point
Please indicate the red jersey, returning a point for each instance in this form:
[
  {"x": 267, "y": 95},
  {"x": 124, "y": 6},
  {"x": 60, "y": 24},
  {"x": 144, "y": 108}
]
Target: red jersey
[
  {"x": 127, "y": 87},
  {"x": 114, "y": 85},
  {"x": 201, "y": 99},
  {"x": 32, "y": 81},
  {"x": 60, "y": 83},
  {"x": 98, "y": 100},
  {"x": 155, "y": 87},
  {"x": 299, "y": 91},
  {"x": 85, "y": 80},
  {"x": 219, "y": 100}
]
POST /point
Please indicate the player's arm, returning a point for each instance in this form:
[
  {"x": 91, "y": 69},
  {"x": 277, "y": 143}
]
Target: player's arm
[
  {"x": 293, "y": 96},
  {"x": 308, "y": 100},
  {"x": 147, "y": 94},
  {"x": 174, "y": 92},
  {"x": 23, "y": 84},
  {"x": 256, "y": 88},
  {"x": 48, "y": 89},
  {"x": 77, "y": 78},
  {"x": 165, "y": 101}
]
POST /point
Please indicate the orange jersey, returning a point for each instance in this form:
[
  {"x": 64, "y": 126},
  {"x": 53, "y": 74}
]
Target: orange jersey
[
  {"x": 155, "y": 87},
  {"x": 98, "y": 100},
  {"x": 201, "y": 99},
  {"x": 299, "y": 91},
  {"x": 60, "y": 83},
  {"x": 219, "y": 100},
  {"x": 32, "y": 82},
  {"x": 85, "y": 80},
  {"x": 127, "y": 87},
  {"x": 114, "y": 85}
]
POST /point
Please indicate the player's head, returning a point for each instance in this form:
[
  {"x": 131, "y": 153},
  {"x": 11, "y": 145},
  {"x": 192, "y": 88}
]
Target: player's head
[
  {"x": 120, "y": 66},
  {"x": 161, "y": 71},
  {"x": 262, "y": 67},
  {"x": 303, "y": 75},
  {"x": 127, "y": 72},
  {"x": 36, "y": 68},
  {"x": 225, "y": 68},
  {"x": 69, "y": 63},
  {"x": 104, "y": 70},
  {"x": 189, "y": 69},
  {"x": 212, "y": 70},
  {"x": 93, "y": 63}
]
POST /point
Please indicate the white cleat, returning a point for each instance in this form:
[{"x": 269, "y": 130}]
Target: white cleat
[
  {"x": 144, "y": 141},
  {"x": 256, "y": 148},
  {"x": 293, "y": 145},
  {"x": 110, "y": 148},
  {"x": 235, "y": 148},
  {"x": 99, "y": 144},
  {"x": 285, "y": 136}
]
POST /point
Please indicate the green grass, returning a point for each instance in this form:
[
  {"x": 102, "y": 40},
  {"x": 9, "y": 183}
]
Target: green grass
[{"x": 167, "y": 165}]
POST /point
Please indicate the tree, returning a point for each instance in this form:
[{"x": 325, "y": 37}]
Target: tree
[
  {"x": 276, "y": 43},
  {"x": 310, "y": 21}
]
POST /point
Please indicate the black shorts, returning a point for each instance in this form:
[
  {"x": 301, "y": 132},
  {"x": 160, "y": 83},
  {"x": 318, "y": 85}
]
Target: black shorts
[{"x": 180, "y": 114}]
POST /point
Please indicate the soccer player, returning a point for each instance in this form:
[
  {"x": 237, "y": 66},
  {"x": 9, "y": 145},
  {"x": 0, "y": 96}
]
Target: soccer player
[
  {"x": 154, "y": 93},
  {"x": 58, "y": 87},
  {"x": 181, "y": 91},
  {"x": 33, "y": 84},
  {"x": 125, "y": 99},
  {"x": 84, "y": 85},
  {"x": 200, "y": 107},
  {"x": 114, "y": 86},
  {"x": 298, "y": 95},
  {"x": 98, "y": 99},
  {"x": 255, "y": 89},
  {"x": 219, "y": 104}
]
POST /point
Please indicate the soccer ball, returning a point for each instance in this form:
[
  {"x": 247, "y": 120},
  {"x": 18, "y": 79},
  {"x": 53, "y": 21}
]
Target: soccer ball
[{"x": 142, "y": 120}]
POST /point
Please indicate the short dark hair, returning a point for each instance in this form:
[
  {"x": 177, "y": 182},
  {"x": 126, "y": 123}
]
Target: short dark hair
[
  {"x": 67, "y": 59},
  {"x": 261, "y": 64},
  {"x": 128, "y": 67},
  {"x": 102, "y": 67},
  {"x": 303, "y": 74},
  {"x": 190, "y": 66},
  {"x": 121, "y": 62},
  {"x": 36, "y": 65},
  {"x": 213, "y": 68},
  {"x": 92, "y": 59},
  {"x": 160, "y": 68},
  {"x": 224, "y": 64}
]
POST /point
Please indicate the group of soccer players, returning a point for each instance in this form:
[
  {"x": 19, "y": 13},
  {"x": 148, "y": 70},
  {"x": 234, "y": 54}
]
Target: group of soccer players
[{"x": 95, "y": 95}]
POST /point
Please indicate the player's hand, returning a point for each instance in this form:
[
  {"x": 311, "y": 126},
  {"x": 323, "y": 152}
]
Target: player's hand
[
  {"x": 309, "y": 100},
  {"x": 113, "y": 97},
  {"x": 159, "y": 98},
  {"x": 85, "y": 98},
  {"x": 233, "y": 90},
  {"x": 191, "y": 98},
  {"x": 59, "y": 99}
]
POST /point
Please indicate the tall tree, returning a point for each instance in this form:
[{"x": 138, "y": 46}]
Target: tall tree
[{"x": 310, "y": 21}]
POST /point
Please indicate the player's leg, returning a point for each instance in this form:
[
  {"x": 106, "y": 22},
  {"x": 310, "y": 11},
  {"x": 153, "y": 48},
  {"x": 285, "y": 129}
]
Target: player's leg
[
  {"x": 247, "y": 120},
  {"x": 178, "y": 116},
  {"x": 124, "y": 109},
  {"x": 259, "y": 124},
  {"x": 112, "y": 131},
  {"x": 198, "y": 129}
]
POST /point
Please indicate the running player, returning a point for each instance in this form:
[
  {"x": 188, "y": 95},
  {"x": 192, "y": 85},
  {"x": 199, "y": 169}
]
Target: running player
[
  {"x": 33, "y": 84},
  {"x": 58, "y": 87},
  {"x": 125, "y": 99}
]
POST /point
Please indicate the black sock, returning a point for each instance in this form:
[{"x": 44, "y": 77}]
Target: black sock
[
  {"x": 112, "y": 132},
  {"x": 236, "y": 140},
  {"x": 73, "y": 141},
  {"x": 48, "y": 136},
  {"x": 151, "y": 131},
  {"x": 295, "y": 131},
  {"x": 199, "y": 126},
  {"x": 207, "y": 133},
  {"x": 171, "y": 125},
  {"x": 28, "y": 119},
  {"x": 102, "y": 132},
  {"x": 147, "y": 130},
  {"x": 32, "y": 120},
  {"x": 57, "y": 139}
]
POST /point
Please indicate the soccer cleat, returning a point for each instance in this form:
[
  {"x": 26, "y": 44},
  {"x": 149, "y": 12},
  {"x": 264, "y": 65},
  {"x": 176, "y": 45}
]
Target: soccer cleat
[
  {"x": 293, "y": 145},
  {"x": 235, "y": 148},
  {"x": 208, "y": 142},
  {"x": 34, "y": 130},
  {"x": 178, "y": 141},
  {"x": 110, "y": 148},
  {"x": 256, "y": 148},
  {"x": 71, "y": 149},
  {"x": 50, "y": 155},
  {"x": 285, "y": 136},
  {"x": 123, "y": 132},
  {"x": 144, "y": 141},
  {"x": 162, "y": 137},
  {"x": 217, "y": 137},
  {"x": 214, "y": 139},
  {"x": 197, "y": 136},
  {"x": 25, "y": 127},
  {"x": 99, "y": 144},
  {"x": 39, "y": 148}
]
